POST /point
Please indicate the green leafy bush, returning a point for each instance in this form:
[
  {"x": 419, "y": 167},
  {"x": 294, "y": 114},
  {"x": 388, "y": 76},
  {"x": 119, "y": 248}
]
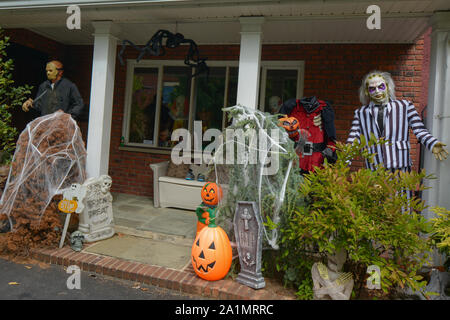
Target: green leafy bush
[
  {"x": 364, "y": 212},
  {"x": 10, "y": 97},
  {"x": 441, "y": 231}
]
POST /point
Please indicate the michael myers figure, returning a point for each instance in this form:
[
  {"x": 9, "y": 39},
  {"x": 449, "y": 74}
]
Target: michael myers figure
[{"x": 316, "y": 118}]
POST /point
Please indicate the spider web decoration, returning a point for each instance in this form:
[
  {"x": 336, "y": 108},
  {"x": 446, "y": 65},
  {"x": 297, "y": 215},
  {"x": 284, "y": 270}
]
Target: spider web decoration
[{"x": 155, "y": 47}]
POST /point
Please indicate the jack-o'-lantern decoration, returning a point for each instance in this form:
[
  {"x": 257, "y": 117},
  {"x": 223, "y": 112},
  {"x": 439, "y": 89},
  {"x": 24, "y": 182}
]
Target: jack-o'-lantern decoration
[
  {"x": 211, "y": 253},
  {"x": 291, "y": 125},
  {"x": 211, "y": 193}
]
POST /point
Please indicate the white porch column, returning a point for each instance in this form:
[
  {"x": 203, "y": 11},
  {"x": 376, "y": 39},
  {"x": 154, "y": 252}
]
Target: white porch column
[
  {"x": 249, "y": 61},
  {"x": 102, "y": 91},
  {"x": 438, "y": 116}
]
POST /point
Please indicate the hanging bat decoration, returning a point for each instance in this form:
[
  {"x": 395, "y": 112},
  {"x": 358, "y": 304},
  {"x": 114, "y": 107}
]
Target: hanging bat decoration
[{"x": 155, "y": 47}]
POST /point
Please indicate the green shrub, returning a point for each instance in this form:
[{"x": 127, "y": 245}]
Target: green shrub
[
  {"x": 441, "y": 231},
  {"x": 10, "y": 97},
  {"x": 364, "y": 212}
]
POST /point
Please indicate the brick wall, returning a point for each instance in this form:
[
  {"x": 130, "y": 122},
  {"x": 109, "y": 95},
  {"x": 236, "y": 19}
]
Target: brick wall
[
  {"x": 78, "y": 68},
  {"x": 332, "y": 72},
  {"x": 77, "y": 61},
  {"x": 33, "y": 40}
]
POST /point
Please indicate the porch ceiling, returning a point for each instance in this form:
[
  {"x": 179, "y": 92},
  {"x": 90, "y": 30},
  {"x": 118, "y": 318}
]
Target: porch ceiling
[{"x": 217, "y": 22}]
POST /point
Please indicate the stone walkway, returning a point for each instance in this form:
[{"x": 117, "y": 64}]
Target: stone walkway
[
  {"x": 185, "y": 281},
  {"x": 152, "y": 246}
]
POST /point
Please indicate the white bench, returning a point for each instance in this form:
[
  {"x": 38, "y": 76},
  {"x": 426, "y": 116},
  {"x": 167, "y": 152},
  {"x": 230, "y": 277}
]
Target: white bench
[{"x": 176, "y": 192}]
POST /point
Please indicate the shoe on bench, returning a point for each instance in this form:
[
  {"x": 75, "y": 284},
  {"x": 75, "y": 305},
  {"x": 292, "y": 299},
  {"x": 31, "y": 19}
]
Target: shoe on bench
[{"x": 190, "y": 175}]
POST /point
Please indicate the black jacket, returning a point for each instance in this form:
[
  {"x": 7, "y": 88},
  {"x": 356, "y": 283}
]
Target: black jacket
[{"x": 64, "y": 96}]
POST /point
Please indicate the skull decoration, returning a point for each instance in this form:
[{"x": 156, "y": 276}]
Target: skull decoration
[
  {"x": 106, "y": 184},
  {"x": 76, "y": 241}
]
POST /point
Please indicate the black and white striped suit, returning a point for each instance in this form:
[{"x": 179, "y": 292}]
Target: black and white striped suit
[{"x": 399, "y": 116}]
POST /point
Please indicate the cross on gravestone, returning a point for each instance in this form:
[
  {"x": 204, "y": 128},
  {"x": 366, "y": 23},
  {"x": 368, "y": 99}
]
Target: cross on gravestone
[
  {"x": 246, "y": 216},
  {"x": 248, "y": 231}
]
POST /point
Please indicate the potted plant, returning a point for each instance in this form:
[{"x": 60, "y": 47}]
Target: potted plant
[{"x": 11, "y": 96}]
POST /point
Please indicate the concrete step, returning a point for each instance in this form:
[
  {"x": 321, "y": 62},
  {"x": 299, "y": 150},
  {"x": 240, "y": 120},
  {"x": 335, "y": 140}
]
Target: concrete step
[{"x": 171, "y": 238}]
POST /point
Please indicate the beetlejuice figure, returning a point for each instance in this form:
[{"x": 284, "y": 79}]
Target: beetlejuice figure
[
  {"x": 386, "y": 117},
  {"x": 316, "y": 136}
]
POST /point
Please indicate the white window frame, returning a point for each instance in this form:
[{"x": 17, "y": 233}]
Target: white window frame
[
  {"x": 156, "y": 64},
  {"x": 160, "y": 64},
  {"x": 281, "y": 65}
]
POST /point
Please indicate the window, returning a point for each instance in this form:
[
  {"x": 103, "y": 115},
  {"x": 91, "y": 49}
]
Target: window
[
  {"x": 161, "y": 96},
  {"x": 280, "y": 81},
  {"x": 174, "y": 110},
  {"x": 143, "y": 105}
]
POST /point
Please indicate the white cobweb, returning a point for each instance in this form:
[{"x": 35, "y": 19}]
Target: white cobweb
[
  {"x": 264, "y": 170},
  {"x": 50, "y": 155}
]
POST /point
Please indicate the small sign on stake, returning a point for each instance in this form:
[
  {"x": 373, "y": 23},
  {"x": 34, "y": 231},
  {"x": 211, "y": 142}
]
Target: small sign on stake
[
  {"x": 66, "y": 206},
  {"x": 69, "y": 204}
]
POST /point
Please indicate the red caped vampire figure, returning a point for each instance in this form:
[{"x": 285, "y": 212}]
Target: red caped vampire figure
[
  {"x": 57, "y": 93},
  {"x": 316, "y": 136},
  {"x": 386, "y": 117}
]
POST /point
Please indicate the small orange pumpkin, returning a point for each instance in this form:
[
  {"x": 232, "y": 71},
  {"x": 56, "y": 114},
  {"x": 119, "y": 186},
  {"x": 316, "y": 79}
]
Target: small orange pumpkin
[
  {"x": 211, "y": 193},
  {"x": 211, "y": 253},
  {"x": 291, "y": 125}
]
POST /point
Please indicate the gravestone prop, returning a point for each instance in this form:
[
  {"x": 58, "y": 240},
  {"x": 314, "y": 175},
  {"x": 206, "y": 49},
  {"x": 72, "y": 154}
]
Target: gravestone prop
[
  {"x": 96, "y": 220},
  {"x": 248, "y": 231}
]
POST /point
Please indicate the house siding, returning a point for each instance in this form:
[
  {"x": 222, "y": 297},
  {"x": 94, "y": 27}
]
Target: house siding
[{"x": 332, "y": 72}]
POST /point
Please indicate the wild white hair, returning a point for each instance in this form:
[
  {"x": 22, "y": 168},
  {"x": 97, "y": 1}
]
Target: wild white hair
[{"x": 363, "y": 91}]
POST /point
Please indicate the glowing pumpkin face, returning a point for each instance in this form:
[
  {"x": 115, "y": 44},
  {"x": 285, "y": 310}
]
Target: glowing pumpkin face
[
  {"x": 211, "y": 253},
  {"x": 291, "y": 125},
  {"x": 211, "y": 193}
]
